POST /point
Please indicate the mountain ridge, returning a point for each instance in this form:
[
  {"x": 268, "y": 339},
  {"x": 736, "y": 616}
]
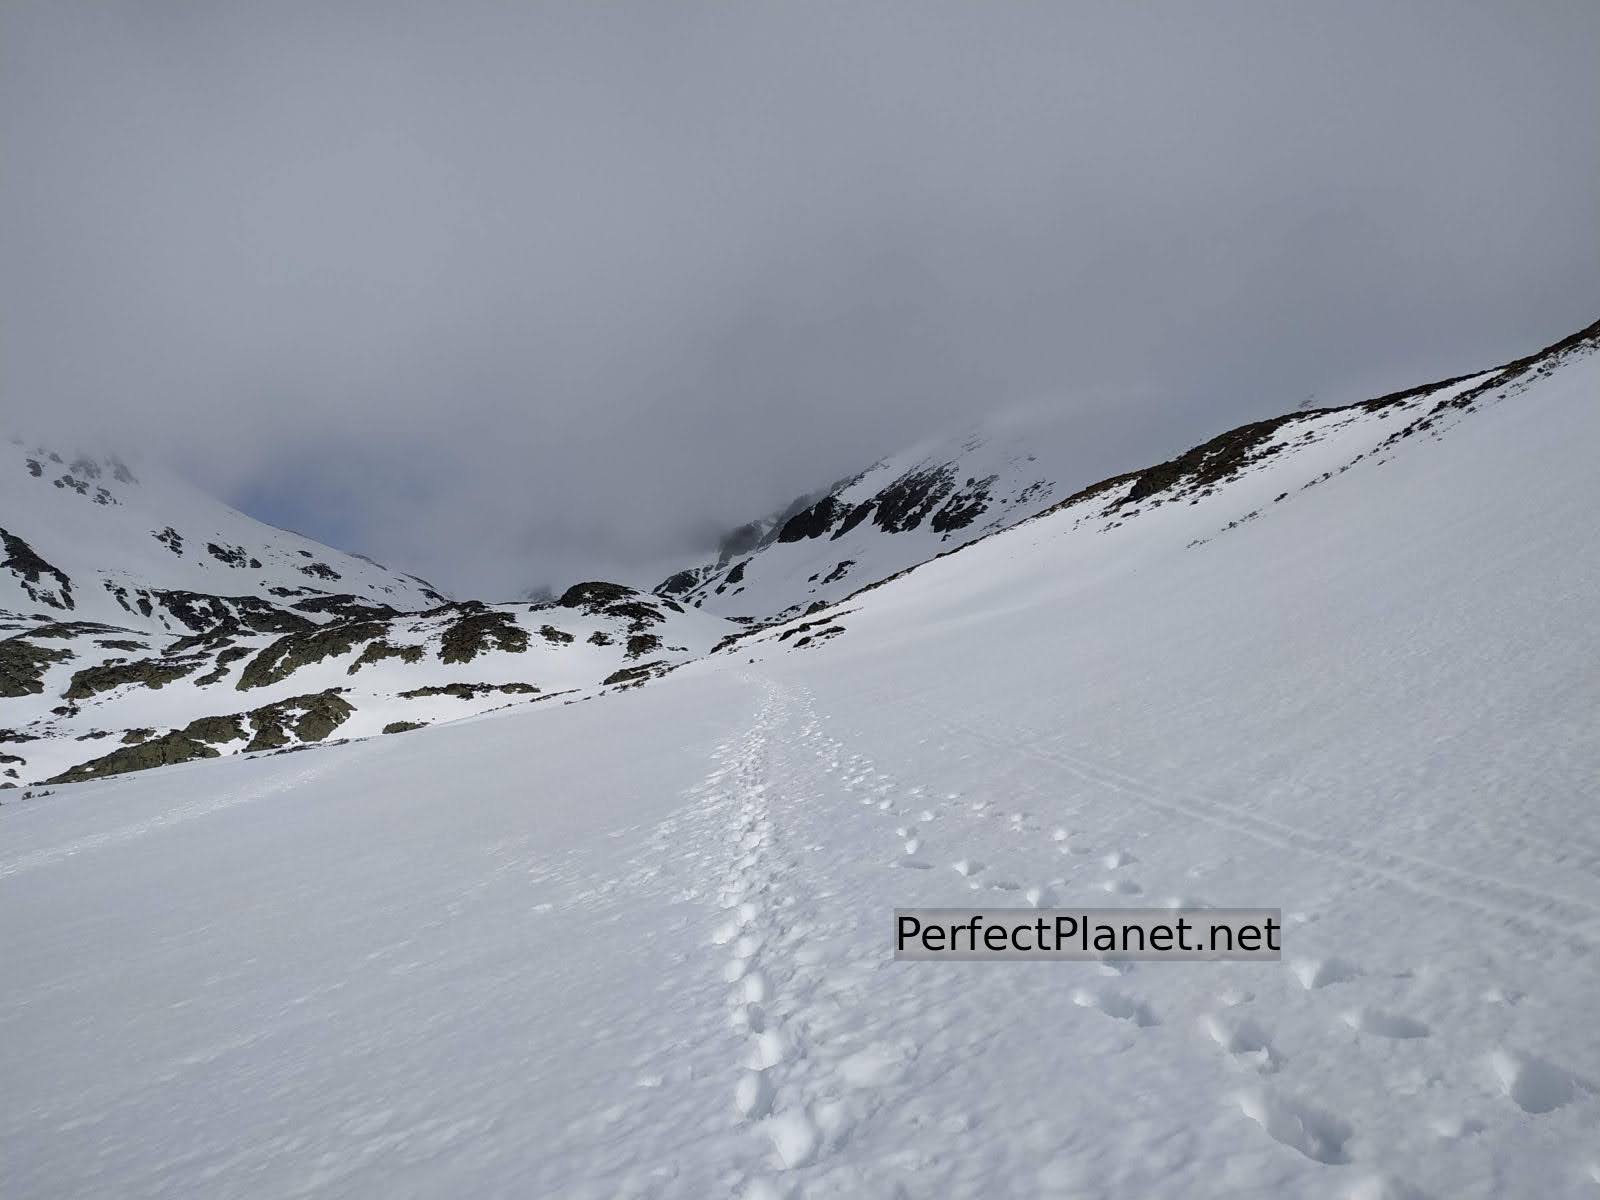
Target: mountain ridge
[{"x": 199, "y": 674}]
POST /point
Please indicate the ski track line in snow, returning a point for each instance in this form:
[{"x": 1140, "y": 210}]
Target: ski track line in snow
[
  {"x": 174, "y": 816},
  {"x": 1558, "y": 917}
]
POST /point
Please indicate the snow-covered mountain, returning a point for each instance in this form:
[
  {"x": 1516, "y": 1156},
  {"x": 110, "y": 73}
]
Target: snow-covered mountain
[
  {"x": 144, "y": 624},
  {"x": 85, "y": 538},
  {"x": 900, "y": 511},
  {"x": 945, "y": 494},
  {"x": 1340, "y": 664}
]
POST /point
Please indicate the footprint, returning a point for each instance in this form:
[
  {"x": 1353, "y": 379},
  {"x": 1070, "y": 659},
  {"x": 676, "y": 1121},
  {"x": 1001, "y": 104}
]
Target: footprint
[
  {"x": 1118, "y": 858},
  {"x": 1384, "y": 1024},
  {"x": 967, "y": 866},
  {"x": 1121, "y": 887},
  {"x": 1533, "y": 1084},
  {"x": 748, "y": 1018},
  {"x": 1314, "y": 1133},
  {"x": 1114, "y": 1004},
  {"x": 794, "y": 1137},
  {"x": 752, "y": 1095},
  {"x": 747, "y": 946},
  {"x": 768, "y": 1049},
  {"x": 754, "y": 988},
  {"x": 1242, "y": 1038},
  {"x": 1315, "y": 973},
  {"x": 1040, "y": 897},
  {"x": 916, "y": 864}
]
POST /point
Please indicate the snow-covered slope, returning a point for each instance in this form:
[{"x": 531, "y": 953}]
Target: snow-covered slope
[
  {"x": 83, "y": 700},
  {"x": 641, "y": 947},
  {"x": 85, "y": 538},
  {"x": 898, "y": 512}
]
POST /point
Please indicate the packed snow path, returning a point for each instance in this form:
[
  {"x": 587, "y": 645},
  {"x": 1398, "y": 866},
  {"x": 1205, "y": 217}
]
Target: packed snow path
[{"x": 704, "y": 1005}]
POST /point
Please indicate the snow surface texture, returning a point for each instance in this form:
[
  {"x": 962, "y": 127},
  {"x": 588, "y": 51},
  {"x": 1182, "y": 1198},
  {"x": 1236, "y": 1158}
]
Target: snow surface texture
[{"x": 641, "y": 947}]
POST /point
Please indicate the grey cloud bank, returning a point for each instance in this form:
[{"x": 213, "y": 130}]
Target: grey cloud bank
[{"x": 509, "y": 294}]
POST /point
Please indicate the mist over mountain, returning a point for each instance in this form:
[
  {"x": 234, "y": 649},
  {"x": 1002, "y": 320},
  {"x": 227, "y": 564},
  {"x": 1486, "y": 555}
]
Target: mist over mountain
[{"x": 508, "y": 295}]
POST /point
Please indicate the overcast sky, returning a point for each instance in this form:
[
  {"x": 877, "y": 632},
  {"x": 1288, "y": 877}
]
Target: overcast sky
[{"x": 513, "y": 293}]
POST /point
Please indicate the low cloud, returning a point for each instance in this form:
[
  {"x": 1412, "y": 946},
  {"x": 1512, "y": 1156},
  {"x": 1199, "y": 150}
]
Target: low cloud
[{"x": 511, "y": 295}]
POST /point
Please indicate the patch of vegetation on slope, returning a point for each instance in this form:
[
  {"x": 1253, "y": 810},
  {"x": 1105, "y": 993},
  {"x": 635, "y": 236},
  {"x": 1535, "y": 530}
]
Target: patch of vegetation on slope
[
  {"x": 468, "y": 691},
  {"x": 479, "y": 630},
  {"x": 379, "y": 650},
  {"x": 22, "y": 666},
  {"x": 289, "y": 653},
  {"x": 147, "y": 672},
  {"x": 308, "y": 718}
]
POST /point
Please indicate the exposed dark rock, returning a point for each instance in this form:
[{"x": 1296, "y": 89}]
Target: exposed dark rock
[
  {"x": 311, "y": 717},
  {"x": 906, "y": 502},
  {"x": 404, "y": 726},
  {"x": 468, "y": 691},
  {"x": 42, "y": 582},
  {"x": 379, "y": 650},
  {"x": 639, "y": 616},
  {"x": 233, "y": 556},
  {"x": 22, "y": 666},
  {"x": 204, "y": 613},
  {"x": 219, "y": 669},
  {"x": 594, "y": 595},
  {"x": 152, "y": 673},
  {"x": 480, "y": 630},
  {"x": 289, "y": 653},
  {"x": 551, "y": 634},
  {"x": 680, "y": 584},
  {"x": 965, "y": 506},
  {"x": 352, "y": 607},
  {"x": 164, "y": 751},
  {"x": 635, "y": 676},
  {"x": 810, "y": 522},
  {"x": 838, "y": 572},
  {"x": 67, "y": 630},
  {"x": 640, "y": 644}
]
